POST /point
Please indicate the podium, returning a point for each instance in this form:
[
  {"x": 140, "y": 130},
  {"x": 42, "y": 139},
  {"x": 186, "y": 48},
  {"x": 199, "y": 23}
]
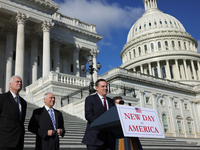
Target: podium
[{"x": 110, "y": 121}]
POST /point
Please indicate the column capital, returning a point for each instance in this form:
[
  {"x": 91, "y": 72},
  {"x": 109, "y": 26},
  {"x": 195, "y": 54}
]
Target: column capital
[
  {"x": 21, "y": 18},
  {"x": 46, "y": 26},
  {"x": 171, "y": 97},
  {"x": 141, "y": 91},
  {"x": 181, "y": 99},
  {"x": 94, "y": 52}
]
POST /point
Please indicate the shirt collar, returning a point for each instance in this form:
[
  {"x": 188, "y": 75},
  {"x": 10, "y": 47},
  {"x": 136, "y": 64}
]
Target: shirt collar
[
  {"x": 47, "y": 108},
  {"x": 101, "y": 97},
  {"x": 14, "y": 95}
]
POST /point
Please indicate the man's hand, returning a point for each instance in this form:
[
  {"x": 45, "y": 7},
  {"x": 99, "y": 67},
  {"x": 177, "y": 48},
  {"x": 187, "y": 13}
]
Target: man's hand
[
  {"x": 50, "y": 132},
  {"x": 59, "y": 131}
]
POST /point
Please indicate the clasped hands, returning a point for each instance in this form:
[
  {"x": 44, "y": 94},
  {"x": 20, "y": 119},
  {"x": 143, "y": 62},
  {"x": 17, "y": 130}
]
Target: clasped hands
[{"x": 52, "y": 132}]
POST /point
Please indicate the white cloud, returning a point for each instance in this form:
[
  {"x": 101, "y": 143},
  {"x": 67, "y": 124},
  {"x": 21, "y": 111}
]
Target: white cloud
[
  {"x": 198, "y": 48},
  {"x": 98, "y": 12}
]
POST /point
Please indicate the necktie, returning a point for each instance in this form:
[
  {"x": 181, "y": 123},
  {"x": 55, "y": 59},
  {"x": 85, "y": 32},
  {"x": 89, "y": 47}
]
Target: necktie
[
  {"x": 52, "y": 118},
  {"x": 104, "y": 103},
  {"x": 18, "y": 104}
]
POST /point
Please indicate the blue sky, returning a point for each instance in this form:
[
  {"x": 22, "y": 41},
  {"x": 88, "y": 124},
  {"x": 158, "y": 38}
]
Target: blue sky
[{"x": 114, "y": 18}]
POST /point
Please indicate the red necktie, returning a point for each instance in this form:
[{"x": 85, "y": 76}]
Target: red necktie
[{"x": 104, "y": 103}]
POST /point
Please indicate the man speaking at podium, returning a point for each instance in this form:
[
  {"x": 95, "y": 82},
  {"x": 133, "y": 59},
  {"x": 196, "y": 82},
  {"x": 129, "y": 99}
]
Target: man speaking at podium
[{"x": 95, "y": 106}]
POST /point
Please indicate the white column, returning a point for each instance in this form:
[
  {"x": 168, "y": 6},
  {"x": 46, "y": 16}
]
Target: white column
[
  {"x": 34, "y": 56},
  {"x": 195, "y": 117},
  {"x": 171, "y": 113},
  {"x": 76, "y": 61},
  {"x": 94, "y": 52},
  {"x": 177, "y": 70},
  {"x": 186, "y": 70},
  {"x": 20, "y": 51},
  {"x": 56, "y": 52},
  {"x": 168, "y": 70},
  {"x": 9, "y": 57},
  {"x": 183, "y": 114},
  {"x": 141, "y": 69},
  {"x": 46, "y": 27},
  {"x": 194, "y": 70},
  {"x": 141, "y": 98},
  {"x": 154, "y": 102},
  {"x": 150, "y": 69},
  {"x": 158, "y": 69},
  {"x": 198, "y": 70}
]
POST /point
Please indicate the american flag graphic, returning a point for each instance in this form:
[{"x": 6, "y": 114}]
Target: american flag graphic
[{"x": 138, "y": 110}]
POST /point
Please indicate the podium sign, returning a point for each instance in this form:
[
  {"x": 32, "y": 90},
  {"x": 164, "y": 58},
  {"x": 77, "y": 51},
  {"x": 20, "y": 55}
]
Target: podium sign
[{"x": 139, "y": 122}]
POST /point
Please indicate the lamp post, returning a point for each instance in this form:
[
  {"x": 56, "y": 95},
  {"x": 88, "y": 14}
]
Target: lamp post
[{"x": 91, "y": 71}]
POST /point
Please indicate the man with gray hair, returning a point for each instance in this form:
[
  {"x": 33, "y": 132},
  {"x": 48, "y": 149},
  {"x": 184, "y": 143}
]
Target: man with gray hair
[
  {"x": 47, "y": 123},
  {"x": 12, "y": 116}
]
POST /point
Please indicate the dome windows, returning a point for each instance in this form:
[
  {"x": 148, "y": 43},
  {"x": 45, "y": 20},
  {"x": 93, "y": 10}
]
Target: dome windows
[
  {"x": 159, "y": 46},
  {"x": 166, "y": 45},
  {"x": 149, "y": 23},
  {"x": 139, "y": 51},
  {"x": 179, "y": 45},
  {"x": 160, "y": 22},
  {"x": 152, "y": 47},
  {"x": 145, "y": 48},
  {"x": 170, "y": 22},
  {"x": 165, "y": 22},
  {"x": 173, "y": 45},
  {"x": 144, "y": 25},
  {"x": 155, "y": 23}
]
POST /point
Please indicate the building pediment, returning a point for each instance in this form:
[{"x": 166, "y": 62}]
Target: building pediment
[{"x": 46, "y": 6}]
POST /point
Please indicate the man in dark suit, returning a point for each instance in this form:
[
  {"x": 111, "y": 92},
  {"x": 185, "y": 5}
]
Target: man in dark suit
[
  {"x": 95, "y": 106},
  {"x": 12, "y": 116},
  {"x": 47, "y": 123}
]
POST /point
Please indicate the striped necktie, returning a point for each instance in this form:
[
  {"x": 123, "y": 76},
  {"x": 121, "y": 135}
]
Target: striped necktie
[
  {"x": 52, "y": 118},
  {"x": 104, "y": 103}
]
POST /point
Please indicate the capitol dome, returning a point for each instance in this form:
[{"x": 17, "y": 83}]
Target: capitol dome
[{"x": 158, "y": 45}]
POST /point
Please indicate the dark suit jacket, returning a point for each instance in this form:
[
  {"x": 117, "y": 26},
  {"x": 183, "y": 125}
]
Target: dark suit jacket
[
  {"x": 40, "y": 123},
  {"x": 93, "y": 109},
  {"x": 11, "y": 124}
]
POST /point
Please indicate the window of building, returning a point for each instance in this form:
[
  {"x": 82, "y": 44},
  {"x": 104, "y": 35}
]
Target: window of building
[
  {"x": 175, "y": 23},
  {"x": 163, "y": 72},
  {"x": 52, "y": 63},
  {"x": 155, "y": 23},
  {"x": 149, "y": 23},
  {"x": 179, "y": 126},
  {"x": 189, "y": 127},
  {"x": 185, "y": 45},
  {"x": 134, "y": 53},
  {"x": 38, "y": 61},
  {"x": 176, "y": 104},
  {"x": 140, "y": 27},
  {"x": 159, "y": 46},
  {"x": 152, "y": 47},
  {"x": 147, "y": 100},
  {"x": 156, "y": 72},
  {"x": 166, "y": 45},
  {"x": 165, "y": 124},
  {"x": 179, "y": 45},
  {"x": 139, "y": 50},
  {"x": 165, "y": 22},
  {"x": 71, "y": 68},
  {"x": 170, "y": 22},
  {"x": 130, "y": 55},
  {"x": 145, "y": 48},
  {"x": 144, "y": 25},
  {"x": 160, "y": 22},
  {"x": 136, "y": 29},
  {"x": 173, "y": 45}
]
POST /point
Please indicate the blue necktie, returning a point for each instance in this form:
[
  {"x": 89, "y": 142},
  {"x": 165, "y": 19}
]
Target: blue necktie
[{"x": 52, "y": 118}]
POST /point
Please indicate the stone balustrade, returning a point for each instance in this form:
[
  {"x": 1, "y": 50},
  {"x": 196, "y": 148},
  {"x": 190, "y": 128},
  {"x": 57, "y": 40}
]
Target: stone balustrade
[
  {"x": 147, "y": 78},
  {"x": 73, "y": 21},
  {"x": 60, "y": 78}
]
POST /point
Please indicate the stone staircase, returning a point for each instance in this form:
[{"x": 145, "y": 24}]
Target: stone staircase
[{"x": 75, "y": 128}]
